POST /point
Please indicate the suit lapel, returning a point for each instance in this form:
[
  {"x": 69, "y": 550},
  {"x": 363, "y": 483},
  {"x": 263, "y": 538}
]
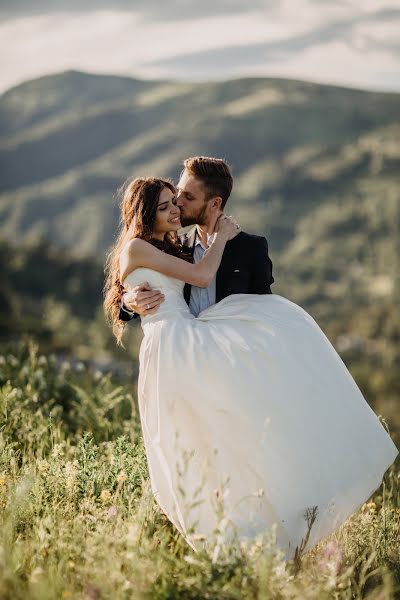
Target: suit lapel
[
  {"x": 224, "y": 270},
  {"x": 188, "y": 240}
]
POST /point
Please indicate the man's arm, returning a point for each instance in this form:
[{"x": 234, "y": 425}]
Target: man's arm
[
  {"x": 125, "y": 314},
  {"x": 262, "y": 268},
  {"x": 135, "y": 302}
]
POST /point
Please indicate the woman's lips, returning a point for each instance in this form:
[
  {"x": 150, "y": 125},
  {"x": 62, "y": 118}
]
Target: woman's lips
[{"x": 175, "y": 220}]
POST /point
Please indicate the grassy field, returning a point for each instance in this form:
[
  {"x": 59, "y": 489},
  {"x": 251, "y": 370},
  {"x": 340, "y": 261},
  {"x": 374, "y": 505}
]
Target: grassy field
[{"x": 78, "y": 519}]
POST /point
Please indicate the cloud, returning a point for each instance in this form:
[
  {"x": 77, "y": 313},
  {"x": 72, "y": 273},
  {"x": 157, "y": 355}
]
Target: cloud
[
  {"x": 168, "y": 10},
  {"x": 183, "y": 10},
  {"x": 281, "y": 49},
  {"x": 220, "y": 39}
]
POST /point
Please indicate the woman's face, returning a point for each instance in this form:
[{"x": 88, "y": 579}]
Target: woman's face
[{"x": 168, "y": 216}]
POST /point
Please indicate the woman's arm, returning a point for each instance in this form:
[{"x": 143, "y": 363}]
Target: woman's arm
[{"x": 139, "y": 253}]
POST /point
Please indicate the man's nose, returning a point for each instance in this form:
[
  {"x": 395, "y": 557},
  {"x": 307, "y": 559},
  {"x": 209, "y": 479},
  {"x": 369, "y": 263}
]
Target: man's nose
[{"x": 179, "y": 201}]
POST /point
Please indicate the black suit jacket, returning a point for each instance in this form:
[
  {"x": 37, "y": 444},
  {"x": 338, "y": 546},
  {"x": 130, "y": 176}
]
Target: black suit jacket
[{"x": 245, "y": 267}]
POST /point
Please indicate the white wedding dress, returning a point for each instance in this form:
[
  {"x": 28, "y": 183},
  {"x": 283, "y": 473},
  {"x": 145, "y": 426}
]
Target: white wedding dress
[{"x": 249, "y": 407}]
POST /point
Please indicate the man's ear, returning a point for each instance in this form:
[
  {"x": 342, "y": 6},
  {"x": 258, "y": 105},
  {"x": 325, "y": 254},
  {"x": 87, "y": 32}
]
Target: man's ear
[{"x": 216, "y": 203}]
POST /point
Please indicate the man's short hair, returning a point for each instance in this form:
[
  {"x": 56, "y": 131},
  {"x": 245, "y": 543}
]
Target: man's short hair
[{"x": 214, "y": 173}]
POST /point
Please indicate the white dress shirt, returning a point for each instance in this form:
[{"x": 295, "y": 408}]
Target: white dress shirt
[{"x": 202, "y": 298}]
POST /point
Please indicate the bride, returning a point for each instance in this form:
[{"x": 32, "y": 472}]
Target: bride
[{"x": 250, "y": 418}]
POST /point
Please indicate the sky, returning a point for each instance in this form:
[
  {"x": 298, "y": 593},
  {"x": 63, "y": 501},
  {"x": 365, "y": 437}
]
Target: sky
[{"x": 355, "y": 43}]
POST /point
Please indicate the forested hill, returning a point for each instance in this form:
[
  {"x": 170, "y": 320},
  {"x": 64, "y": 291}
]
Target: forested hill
[{"x": 301, "y": 153}]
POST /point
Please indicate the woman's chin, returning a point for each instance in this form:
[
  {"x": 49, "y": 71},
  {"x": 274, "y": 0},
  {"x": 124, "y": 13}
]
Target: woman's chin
[{"x": 175, "y": 227}]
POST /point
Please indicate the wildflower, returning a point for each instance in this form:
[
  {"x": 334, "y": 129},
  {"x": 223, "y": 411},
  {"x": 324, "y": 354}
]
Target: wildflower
[
  {"x": 13, "y": 360},
  {"x": 43, "y": 466},
  {"x": 368, "y": 507},
  {"x": 71, "y": 467},
  {"x": 127, "y": 585},
  {"x": 105, "y": 496},
  {"x": 3, "y": 480},
  {"x": 192, "y": 561},
  {"x": 97, "y": 375},
  {"x": 280, "y": 569},
  {"x": 36, "y": 574},
  {"x": 57, "y": 450},
  {"x": 71, "y": 470},
  {"x": 122, "y": 476},
  {"x": 112, "y": 512},
  {"x": 332, "y": 557}
]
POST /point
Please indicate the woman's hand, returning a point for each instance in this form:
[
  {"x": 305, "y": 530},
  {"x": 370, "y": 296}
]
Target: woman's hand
[
  {"x": 227, "y": 226},
  {"x": 143, "y": 300}
]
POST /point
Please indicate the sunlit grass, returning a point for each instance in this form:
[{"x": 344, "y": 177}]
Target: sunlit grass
[{"x": 78, "y": 518}]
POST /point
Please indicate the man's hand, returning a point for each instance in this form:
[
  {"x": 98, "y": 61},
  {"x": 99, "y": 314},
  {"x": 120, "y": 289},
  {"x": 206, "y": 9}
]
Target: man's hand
[{"x": 142, "y": 299}]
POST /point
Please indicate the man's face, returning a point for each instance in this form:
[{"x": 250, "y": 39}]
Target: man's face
[{"x": 191, "y": 199}]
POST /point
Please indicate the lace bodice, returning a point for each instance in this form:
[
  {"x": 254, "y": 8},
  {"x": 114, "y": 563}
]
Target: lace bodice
[{"x": 171, "y": 288}]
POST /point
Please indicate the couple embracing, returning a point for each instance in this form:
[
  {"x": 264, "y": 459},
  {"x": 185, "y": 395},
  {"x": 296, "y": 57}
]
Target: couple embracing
[{"x": 244, "y": 403}]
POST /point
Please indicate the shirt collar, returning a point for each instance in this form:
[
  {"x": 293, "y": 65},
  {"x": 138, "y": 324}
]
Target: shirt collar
[{"x": 210, "y": 238}]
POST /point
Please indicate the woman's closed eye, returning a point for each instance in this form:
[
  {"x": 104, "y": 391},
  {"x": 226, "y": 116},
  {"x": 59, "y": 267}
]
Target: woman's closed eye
[{"x": 165, "y": 205}]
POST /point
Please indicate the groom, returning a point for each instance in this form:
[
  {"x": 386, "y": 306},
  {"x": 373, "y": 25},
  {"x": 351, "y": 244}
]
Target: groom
[{"x": 203, "y": 190}]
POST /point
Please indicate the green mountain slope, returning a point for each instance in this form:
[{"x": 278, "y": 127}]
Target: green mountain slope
[
  {"x": 316, "y": 167},
  {"x": 70, "y": 140}
]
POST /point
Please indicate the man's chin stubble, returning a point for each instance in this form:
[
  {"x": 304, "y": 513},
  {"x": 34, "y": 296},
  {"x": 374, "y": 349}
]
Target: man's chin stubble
[
  {"x": 189, "y": 221},
  {"x": 200, "y": 219}
]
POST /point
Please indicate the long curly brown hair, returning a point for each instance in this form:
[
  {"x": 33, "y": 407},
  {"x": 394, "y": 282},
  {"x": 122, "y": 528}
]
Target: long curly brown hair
[{"x": 139, "y": 202}]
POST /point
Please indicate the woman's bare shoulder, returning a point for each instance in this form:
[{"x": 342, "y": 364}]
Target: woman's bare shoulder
[
  {"x": 135, "y": 247},
  {"x": 131, "y": 255},
  {"x": 135, "y": 243}
]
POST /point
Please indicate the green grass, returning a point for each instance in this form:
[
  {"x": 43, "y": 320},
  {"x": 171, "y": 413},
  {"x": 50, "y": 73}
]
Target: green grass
[{"x": 78, "y": 519}]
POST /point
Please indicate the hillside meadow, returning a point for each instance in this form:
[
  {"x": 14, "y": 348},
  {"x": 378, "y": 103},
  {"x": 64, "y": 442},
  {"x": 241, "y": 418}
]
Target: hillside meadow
[{"x": 78, "y": 519}]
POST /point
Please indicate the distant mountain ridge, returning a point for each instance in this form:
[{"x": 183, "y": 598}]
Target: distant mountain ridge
[{"x": 316, "y": 167}]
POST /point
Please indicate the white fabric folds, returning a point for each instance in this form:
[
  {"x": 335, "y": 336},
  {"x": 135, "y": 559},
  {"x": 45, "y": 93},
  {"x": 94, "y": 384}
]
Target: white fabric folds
[{"x": 249, "y": 408}]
